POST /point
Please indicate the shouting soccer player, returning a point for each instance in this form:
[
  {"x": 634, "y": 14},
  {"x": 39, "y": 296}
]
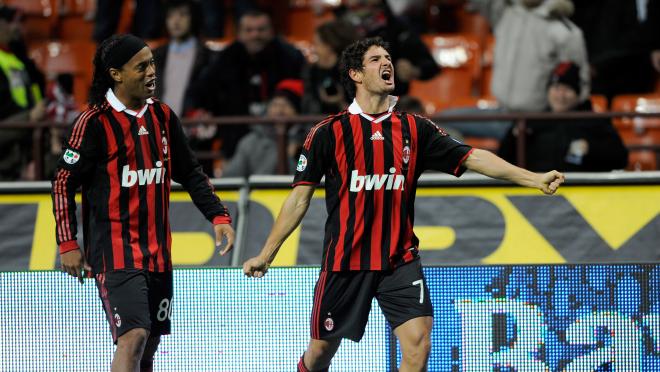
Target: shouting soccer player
[
  {"x": 123, "y": 151},
  {"x": 371, "y": 157}
]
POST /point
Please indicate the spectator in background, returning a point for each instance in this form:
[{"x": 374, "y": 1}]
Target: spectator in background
[
  {"x": 620, "y": 35},
  {"x": 243, "y": 77},
  {"x": 183, "y": 57},
  {"x": 20, "y": 99},
  {"x": 256, "y": 153},
  {"x": 411, "y": 57},
  {"x": 532, "y": 37},
  {"x": 178, "y": 63},
  {"x": 576, "y": 145},
  {"x": 324, "y": 93},
  {"x": 147, "y": 18}
]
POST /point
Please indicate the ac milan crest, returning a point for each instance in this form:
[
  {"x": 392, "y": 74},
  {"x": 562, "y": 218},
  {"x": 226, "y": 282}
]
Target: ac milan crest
[
  {"x": 329, "y": 324},
  {"x": 406, "y": 154}
]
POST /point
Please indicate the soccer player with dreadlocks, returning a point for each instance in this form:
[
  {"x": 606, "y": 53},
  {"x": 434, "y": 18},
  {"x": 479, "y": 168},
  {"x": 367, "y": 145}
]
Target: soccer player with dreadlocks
[{"x": 124, "y": 150}]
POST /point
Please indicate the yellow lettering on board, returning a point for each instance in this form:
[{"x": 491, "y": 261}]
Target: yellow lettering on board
[
  {"x": 435, "y": 237},
  {"x": 616, "y": 213}
]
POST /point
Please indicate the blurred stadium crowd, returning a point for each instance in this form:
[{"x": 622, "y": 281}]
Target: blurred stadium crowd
[{"x": 275, "y": 60}]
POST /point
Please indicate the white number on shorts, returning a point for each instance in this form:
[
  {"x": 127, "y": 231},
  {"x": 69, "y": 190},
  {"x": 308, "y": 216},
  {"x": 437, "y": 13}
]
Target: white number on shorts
[
  {"x": 164, "y": 310},
  {"x": 420, "y": 282}
]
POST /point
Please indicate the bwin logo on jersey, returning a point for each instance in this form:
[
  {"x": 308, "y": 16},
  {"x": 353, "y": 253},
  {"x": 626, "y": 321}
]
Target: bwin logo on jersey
[
  {"x": 142, "y": 176},
  {"x": 377, "y": 181}
]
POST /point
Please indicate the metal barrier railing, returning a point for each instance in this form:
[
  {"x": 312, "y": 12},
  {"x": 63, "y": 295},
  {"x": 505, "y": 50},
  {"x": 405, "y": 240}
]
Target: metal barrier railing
[{"x": 519, "y": 119}]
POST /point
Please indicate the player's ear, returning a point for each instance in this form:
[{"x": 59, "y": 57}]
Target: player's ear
[
  {"x": 355, "y": 75},
  {"x": 115, "y": 74}
]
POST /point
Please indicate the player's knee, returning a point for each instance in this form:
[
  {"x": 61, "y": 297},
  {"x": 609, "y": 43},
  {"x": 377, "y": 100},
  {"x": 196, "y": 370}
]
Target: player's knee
[
  {"x": 147, "y": 361},
  {"x": 320, "y": 353},
  {"x": 417, "y": 347},
  {"x": 133, "y": 341}
]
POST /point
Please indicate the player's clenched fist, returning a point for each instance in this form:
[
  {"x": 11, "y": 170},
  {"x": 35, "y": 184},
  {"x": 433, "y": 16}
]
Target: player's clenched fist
[
  {"x": 255, "y": 267},
  {"x": 551, "y": 181}
]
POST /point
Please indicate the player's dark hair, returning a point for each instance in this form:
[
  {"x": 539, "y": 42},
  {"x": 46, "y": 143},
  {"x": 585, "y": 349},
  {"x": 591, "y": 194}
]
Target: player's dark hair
[
  {"x": 352, "y": 59},
  {"x": 196, "y": 16},
  {"x": 101, "y": 80}
]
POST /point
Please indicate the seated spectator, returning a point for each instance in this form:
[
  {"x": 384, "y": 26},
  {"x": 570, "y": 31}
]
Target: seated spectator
[
  {"x": 243, "y": 77},
  {"x": 412, "y": 59},
  {"x": 576, "y": 145},
  {"x": 324, "y": 93},
  {"x": 256, "y": 153},
  {"x": 20, "y": 100}
]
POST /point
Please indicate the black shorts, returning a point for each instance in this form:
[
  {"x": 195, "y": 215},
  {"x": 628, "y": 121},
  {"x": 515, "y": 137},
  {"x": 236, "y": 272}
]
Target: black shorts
[
  {"x": 342, "y": 300},
  {"x": 134, "y": 298}
]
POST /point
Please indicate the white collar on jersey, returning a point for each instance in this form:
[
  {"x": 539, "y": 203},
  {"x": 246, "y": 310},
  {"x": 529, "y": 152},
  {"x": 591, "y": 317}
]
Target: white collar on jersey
[
  {"x": 118, "y": 106},
  {"x": 355, "y": 109}
]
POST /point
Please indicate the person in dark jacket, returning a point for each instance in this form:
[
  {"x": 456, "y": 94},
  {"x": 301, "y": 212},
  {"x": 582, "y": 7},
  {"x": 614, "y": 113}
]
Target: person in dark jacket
[
  {"x": 577, "y": 145},
  {"x": 243, "y": 77}
]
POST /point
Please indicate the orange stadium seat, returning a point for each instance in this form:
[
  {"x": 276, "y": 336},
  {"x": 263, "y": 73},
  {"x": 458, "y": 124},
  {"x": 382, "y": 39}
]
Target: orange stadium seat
[
  {"x": 599, "y": 103},
  {"x": 639, "y": 131},
  {"x": 72, "y": 23},
  {"x": 301, "y": 22},
  {"x": 473, "y": 23},
  {"x": 459, "y": 56},
  {"x": 74, "y": 57},
  {"x": 40, "y": 16}
]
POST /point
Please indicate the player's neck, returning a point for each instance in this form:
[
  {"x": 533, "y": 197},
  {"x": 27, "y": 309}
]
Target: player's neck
[
  {"x": 372, "y": 103},
  {"x": 130, "y": 102}
]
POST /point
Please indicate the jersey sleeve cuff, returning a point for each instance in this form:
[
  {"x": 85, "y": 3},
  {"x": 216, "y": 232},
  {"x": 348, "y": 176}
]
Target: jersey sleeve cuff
[
  {"x": 460, "y": 169},
  {"x": 68, "y": 246},
  {"x": 303, "y": 183},
  {"x": 221, "y": 220}
]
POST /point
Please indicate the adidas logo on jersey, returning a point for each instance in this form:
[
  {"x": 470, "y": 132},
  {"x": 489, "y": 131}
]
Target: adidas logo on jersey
[
  {"x": 142, "y": 131},
  {"x": 377, "y": 181},
  {"x": 377, "y": 136},
  {"x": 142, "y": 176}
]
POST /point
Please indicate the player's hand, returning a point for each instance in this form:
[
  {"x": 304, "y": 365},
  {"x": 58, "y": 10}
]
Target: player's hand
[
  {"x": 224, "y": 229},
  {"x": 549, "y": 182},
  {"x": 73, "y": 263},
  {"x": 256, "y": 267}
]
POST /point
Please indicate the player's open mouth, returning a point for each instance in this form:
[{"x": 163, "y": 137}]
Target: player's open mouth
[
  {"x": 386, "y": 75},
  {"x": 151, "y": 85}
]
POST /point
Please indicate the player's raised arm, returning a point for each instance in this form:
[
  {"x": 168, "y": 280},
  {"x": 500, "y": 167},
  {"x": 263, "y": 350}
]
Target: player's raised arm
[
  {"x": 293, "y": 210},
  {"x": 489, "y": 164}
]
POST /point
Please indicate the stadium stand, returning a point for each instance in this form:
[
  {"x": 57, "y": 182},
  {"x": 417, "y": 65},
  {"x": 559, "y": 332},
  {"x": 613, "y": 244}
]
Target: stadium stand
[
  {"x": 643, "y": 134},
  {"x": 459, "y": 56}
]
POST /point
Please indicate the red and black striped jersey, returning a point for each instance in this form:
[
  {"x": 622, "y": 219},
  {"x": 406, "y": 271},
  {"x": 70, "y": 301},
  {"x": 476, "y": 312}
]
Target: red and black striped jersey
[
  {"x": 124, "y": 161},
  {"x": 371, "y": 166}
]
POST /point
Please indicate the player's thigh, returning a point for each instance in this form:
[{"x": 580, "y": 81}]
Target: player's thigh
[
  {"x": 403, "y": 294},
  {"x": 125, "y": 298},
  {"x": 160, "y": 302},
  {"x": 342, "y": 302}
]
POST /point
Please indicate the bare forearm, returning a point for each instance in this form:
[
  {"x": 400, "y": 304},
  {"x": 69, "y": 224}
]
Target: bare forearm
[
  {"x": 292, "y": 212},
  {"x": 489, "y": 164}
]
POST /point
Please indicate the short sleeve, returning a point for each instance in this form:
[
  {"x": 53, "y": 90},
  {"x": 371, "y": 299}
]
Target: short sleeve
[
  {"x": 439, "y": 151},
  {"x": 314, "y": 158}
]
